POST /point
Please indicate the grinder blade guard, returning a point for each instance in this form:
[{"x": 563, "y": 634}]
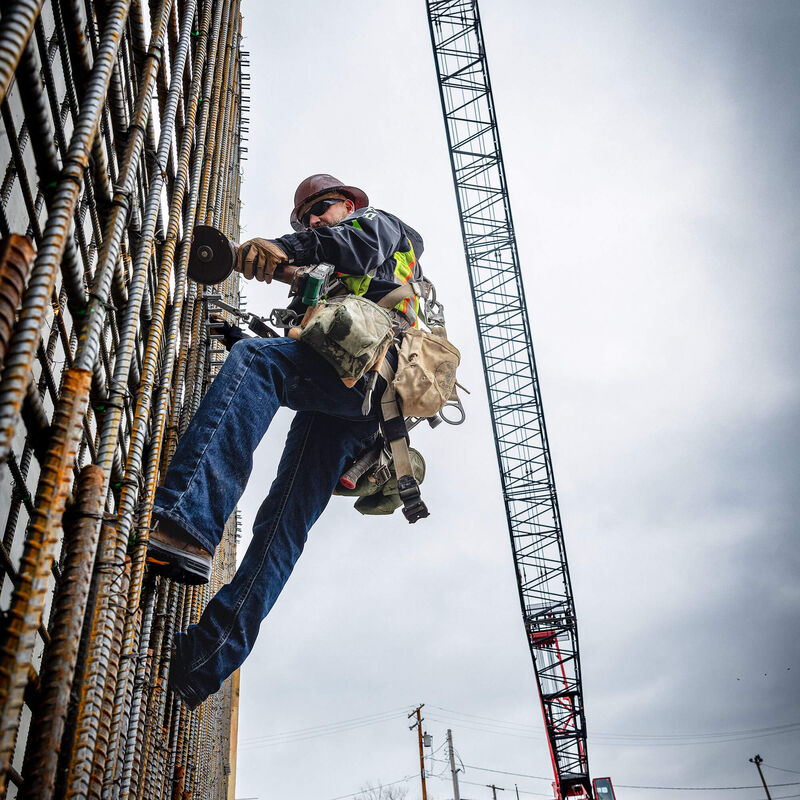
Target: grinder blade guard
[{"x": 211, "y": 257}]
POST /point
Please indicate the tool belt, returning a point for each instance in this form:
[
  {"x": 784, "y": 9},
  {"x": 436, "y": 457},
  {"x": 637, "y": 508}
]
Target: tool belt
[{"x": 353, "y": 334}]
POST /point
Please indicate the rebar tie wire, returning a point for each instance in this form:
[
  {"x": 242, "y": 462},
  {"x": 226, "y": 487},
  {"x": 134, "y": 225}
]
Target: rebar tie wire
[
  {"x": 152, "y": 357},
  {"x": 28, "y": 599}
]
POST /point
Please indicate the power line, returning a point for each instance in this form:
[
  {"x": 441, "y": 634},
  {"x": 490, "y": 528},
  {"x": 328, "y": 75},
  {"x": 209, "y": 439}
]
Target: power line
[
  {"x": 782, "y": 769},
  {"x": 316, "y": 731},
  {"x": 504, "y": 772},
  {"x": 361, "y": 791},
  {"x": 533, "y": 728},
  {"x": 521, "y": 791},
  {"x": 629, "y": 740},
  {"x": 631, "y": 786},
  {"x": 684, "y": 743},
  {"x": 391, "y": 711},
  {"x": 699, "y": 788},
  {"x": 516, "y": 730}
]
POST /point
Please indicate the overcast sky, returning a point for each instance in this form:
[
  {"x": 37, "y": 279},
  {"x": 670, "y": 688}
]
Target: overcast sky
[{"x": 652, "y": 152}]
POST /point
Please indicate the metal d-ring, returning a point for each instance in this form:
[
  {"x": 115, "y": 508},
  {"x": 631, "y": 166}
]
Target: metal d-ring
[{"x": 453, "y": 404}]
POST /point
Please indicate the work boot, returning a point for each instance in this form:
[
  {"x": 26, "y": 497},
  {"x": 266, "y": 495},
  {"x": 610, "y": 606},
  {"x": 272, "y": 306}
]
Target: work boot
[
  {"x": 171, "y": 553},
  {"x": 174, "y": 682}
]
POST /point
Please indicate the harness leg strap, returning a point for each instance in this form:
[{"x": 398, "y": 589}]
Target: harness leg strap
[{"x": 414, "y": 507}]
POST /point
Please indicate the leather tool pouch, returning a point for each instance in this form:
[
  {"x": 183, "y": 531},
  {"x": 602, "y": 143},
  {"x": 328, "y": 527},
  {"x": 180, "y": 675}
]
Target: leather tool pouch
[
  {"x": 426, "y": 372},
  {"x": 351, "y": 334}
]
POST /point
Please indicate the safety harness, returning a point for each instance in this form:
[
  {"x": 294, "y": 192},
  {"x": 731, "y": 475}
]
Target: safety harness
[
  {"x": 393, "y": 423},
  {"x": 411, "y": 302}
]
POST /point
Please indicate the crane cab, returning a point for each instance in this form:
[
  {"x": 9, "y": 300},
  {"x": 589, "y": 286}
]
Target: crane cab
[{"x": 603, "y": 790}]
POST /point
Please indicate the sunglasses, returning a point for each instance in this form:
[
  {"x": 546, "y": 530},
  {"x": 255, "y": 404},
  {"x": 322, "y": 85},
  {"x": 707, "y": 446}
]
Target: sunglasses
[{"x": 319, "y": 208}]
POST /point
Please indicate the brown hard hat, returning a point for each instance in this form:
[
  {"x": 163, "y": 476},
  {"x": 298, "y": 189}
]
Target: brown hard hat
[{"x": 315, "y": 186}]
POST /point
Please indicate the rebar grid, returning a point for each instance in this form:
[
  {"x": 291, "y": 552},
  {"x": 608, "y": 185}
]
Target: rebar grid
[{"x": 123, "y": 125}]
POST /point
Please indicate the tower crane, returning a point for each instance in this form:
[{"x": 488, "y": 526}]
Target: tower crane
[{"x": 512, "y": 384}]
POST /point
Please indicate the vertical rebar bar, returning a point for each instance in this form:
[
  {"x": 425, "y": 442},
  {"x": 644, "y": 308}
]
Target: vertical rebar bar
[
  {"x": 15, "y": 30},
  {"x": 16, "y": 257},
  {"x": 25, "y": 614},
  {"x": 44, "y": 742}
]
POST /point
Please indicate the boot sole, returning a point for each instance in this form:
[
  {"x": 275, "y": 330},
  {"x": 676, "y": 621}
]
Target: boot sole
[{"x": 180, "y": 566}]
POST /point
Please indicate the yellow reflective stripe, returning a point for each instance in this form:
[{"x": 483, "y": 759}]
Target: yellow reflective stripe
[
  {"x": 404, "y": 265},
  {"x": 356, "y": 284},
  {"x": 403, "y": 270},
  {"x": 403, "y": 306}
]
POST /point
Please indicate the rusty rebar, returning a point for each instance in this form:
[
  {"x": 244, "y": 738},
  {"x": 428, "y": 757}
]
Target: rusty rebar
[
  {"x": 151, "y": 359},
  {"x": 132, "y": 753},
  {"x": 115, "y": 600},
  {"x": 44, "y": 741},
  {"x": 21, "y": 352},
  {"x": 87, "y": 353},
  {"x": 15, "y": 30},
  {"x": 27, "y": 603},
  {"x": 143, "y": 735},
  {"x": 16, "y": 258},
  {"x": 147, "y": 360}
]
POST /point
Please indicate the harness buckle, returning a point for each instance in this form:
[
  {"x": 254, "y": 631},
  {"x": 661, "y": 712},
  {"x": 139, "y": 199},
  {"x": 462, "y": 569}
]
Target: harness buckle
[
  {"x": 382, "y": 474},
  {"x": 414, "y": 507}
]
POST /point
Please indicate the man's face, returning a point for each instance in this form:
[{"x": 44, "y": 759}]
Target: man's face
[{"x": 336, "y": 210}]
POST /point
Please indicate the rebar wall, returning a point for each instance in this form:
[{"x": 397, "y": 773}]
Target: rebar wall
[
  {"x": 122, "y": 129},
  {"x": 512, "y": 384}
]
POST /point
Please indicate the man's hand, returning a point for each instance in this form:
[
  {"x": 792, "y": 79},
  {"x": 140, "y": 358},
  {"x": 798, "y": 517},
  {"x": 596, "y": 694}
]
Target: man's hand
[
  {"x": 259, "y": 258},
  {"x": 230, "y": 333}
]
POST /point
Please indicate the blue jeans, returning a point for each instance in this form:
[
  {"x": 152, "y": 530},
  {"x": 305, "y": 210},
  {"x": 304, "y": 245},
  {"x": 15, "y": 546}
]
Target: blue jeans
[{"x": 209, "y": 472}]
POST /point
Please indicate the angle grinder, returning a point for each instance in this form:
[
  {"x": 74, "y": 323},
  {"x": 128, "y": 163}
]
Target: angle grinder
[{"x": 212, "y": 255}]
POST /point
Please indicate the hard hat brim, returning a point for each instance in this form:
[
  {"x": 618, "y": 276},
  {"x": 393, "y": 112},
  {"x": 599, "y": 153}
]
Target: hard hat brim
[{"x": 358, "y": 197}]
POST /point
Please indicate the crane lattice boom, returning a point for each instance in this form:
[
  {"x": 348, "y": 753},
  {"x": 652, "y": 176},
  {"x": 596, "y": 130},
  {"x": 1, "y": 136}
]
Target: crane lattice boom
[{"x": 512, "y": 384}]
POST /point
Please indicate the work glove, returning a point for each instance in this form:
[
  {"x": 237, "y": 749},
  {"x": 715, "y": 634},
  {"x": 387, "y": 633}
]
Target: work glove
[
  {"x": 259, "y": 258},
  {"x": 230, "y": 333}
]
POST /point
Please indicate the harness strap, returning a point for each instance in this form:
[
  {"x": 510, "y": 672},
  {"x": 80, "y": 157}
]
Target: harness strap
[
  {"x": 396, "y": 296},
  {"x": 413, "y": 506}
]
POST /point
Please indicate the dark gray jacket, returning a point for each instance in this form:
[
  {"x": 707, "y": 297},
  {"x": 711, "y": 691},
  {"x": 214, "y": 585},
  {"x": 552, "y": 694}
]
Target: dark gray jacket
[{"x": 373, "y": 250}]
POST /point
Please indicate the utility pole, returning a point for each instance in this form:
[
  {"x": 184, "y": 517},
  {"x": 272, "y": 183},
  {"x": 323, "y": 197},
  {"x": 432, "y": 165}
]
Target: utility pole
[
  {"x": 495, "y": 789},
  {"x": 418, "y": 726},
  {"x": 456, "y": 795},
  {"x": 758, "y": 761}
]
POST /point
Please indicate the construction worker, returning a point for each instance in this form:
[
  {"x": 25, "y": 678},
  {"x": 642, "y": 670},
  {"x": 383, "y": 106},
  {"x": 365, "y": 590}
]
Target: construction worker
[{"x": 374, "y": 252}]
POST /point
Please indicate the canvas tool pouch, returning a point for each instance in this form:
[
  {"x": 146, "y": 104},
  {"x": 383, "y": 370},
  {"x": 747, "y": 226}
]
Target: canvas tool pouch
[
  {"x": 350, "y": 333},
  {"x": 426, "y": 372},
  {"x": 379, "y": 495}
]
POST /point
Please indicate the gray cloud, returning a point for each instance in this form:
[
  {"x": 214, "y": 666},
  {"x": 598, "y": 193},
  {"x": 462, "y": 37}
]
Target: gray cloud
[{"x": 651, "y": 151}]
